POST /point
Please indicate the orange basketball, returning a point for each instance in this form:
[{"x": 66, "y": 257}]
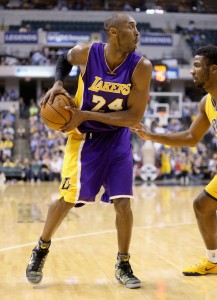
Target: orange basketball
[{"x": 55, "y": 115}]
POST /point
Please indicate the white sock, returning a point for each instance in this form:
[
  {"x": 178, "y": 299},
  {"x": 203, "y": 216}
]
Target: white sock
[{"x": 211, "y": 255}]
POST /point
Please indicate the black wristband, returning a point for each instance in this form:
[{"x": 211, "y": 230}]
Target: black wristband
[{"x": 63, "y": 67}]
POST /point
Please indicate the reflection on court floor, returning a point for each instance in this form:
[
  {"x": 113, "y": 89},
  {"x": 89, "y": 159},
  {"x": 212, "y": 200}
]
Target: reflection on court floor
[{"x": 83, "y": 252}]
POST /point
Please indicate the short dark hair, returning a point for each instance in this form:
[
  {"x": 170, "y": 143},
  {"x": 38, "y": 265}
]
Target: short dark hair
[
  {"x": 114, "y": 20},
  {"x": 209, "y": 52}
]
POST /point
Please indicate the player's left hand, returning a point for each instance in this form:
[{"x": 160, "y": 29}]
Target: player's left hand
[
  {"x": 78, "y": 117},
  {"x": 141, "y": 130},
  {"x": 137, "y": 127}
]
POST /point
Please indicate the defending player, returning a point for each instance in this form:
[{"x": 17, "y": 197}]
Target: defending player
[{"x": 204, "y": 74}]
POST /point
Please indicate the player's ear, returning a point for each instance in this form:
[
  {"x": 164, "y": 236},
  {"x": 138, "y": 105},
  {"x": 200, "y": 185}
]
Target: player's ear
[
  {"x": 214, "y": 69},
  {"x": 113, "y": 30}
]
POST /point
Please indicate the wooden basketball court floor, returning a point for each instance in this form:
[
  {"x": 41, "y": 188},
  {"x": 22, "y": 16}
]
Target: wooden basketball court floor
[{"x": 80, "y": 265}]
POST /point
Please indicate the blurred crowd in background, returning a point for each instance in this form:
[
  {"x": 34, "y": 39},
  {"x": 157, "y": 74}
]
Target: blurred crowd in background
[
  {"x": 152, "y": 161},
  {"x": 44, "y": 149},
  {"x": 182, "y": 6}
]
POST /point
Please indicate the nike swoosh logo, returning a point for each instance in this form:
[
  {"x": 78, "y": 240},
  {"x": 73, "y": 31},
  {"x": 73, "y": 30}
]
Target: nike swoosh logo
[{"x": 208, "y": 269}]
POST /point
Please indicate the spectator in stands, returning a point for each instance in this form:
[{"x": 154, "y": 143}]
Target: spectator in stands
[
  {"x": 35, "y": 169},
  {"x": 56, "y": 166},
  {"x": 166, "y": 162},
  {"x": 213, "y": 165},
  {"x": 12, "y": 95},
  {"x": 174, "y": 125},
  {"x": 185, "y": 169},
  {"x": 204, "y": 168},
  {"x": 196, "y": 175},
  {"x": 33, "y": 124},
  {"x": 22, "y": 29},
  {"x": 27, "y": 4},
  {"x": 21, "y": 132},
  {"x": 198, "y": 38},
  {"x": 22, "y": 108},
  {"x": 191, "y": 26},
  {"x": 9, "y": 118},
  {"x": 158, "y": 129},
  {"x": 194, "y": 112},
  {"x": 47, "y": 27},
  {"x": 177, "y": 164},
  {"x": 17, "y": 163},
  {"x": 45, "y": 171},
  {"x": 11, "y": 61},
  {"x": 38, "y": 58},
  {"x": 2, "y": 178},
  {"x": 27, "y": 169},
  {"x": 127, "y": 7},
  {"x": 9, "y": 130},
  {"x": 13, "y": 109},
  {"x": 33, "y": 109},
  {"x": 5, "y": 97},
  {"x": 214, "y": 141},
  {"x": 186, "y": 110},
  {"x": 1, "y": 147},
  {"x": 34, "y": 142},
  {"x": 7, "y": 145},
  {"x": 8, "y": 162},
  {"x": 78, "y": 5},
  {"x": 62, "y": 5}
]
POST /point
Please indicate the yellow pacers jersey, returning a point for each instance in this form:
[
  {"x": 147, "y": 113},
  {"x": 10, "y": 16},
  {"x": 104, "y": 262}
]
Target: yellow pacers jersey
[
  {"x": 165, "y": 163},
  {"x": 211, "y": 112},
  {"x": 210, "y": 108}
]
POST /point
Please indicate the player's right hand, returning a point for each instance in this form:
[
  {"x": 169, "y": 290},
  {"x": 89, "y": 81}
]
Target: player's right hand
[{"x": 56, "y": 89}]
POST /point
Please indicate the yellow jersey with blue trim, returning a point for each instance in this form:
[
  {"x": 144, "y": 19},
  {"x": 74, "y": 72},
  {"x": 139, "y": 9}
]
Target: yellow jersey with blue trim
[{"x": 211, "y": 111}]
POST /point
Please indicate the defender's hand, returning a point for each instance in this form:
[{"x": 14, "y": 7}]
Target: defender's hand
[{"x": 141, "y": 130}]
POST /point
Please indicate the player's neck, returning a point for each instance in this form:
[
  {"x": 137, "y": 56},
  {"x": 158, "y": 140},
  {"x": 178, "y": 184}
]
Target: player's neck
[
  {"x": 211, "y": 88},
  {"x": 213, "y": 93},
  {"x": 113, "y": 57}
]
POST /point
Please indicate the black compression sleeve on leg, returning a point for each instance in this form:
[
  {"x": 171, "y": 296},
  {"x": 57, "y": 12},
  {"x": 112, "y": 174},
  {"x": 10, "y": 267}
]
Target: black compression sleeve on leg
[{"x": 63, "y": 67}]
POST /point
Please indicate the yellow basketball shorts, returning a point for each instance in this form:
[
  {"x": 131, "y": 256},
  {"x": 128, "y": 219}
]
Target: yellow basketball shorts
[{"x": 211, "y": 188}]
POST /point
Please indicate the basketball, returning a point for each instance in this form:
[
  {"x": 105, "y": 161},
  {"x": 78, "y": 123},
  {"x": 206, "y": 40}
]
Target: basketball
[{"x": 55, "y": 115}]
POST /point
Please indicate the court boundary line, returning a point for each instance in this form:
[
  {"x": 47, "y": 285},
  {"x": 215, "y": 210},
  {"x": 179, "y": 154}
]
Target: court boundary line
[{"x": 74, "y": 236}]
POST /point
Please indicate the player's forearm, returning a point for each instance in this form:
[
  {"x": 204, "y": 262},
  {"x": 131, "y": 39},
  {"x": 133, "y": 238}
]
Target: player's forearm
[
  {"x": 178, "y": 139},
  {"x": 119, "y": 118},
  {"x": 63, "y": 67}
]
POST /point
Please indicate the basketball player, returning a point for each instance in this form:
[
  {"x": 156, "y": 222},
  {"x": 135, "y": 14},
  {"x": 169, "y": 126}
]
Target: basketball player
[
  {"x": 112, "y": 94},
  {"x": 204, "y": 73}
]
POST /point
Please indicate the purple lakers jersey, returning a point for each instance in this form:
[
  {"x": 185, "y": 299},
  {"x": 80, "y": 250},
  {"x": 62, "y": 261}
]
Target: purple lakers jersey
[{"x": 103, "y": 90}]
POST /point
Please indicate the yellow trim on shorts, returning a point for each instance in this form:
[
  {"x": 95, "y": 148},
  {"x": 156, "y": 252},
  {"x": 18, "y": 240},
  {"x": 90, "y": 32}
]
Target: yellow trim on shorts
[
  {"x": 71, "y": 171},
  {"x": 211, "y": 188}
]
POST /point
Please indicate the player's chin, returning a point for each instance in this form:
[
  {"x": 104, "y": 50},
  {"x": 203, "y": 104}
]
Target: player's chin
[
  {"x": 132, "y": 48},
  {"x": 135, "y": 46},
  {"x": 198, "y": 84}
]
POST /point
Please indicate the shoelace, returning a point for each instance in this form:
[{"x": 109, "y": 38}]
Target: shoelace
[
  {"x": 201, "y": 263},
  {"x": 125, "y": 266},
  {"x": 38, "y": 260}
]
